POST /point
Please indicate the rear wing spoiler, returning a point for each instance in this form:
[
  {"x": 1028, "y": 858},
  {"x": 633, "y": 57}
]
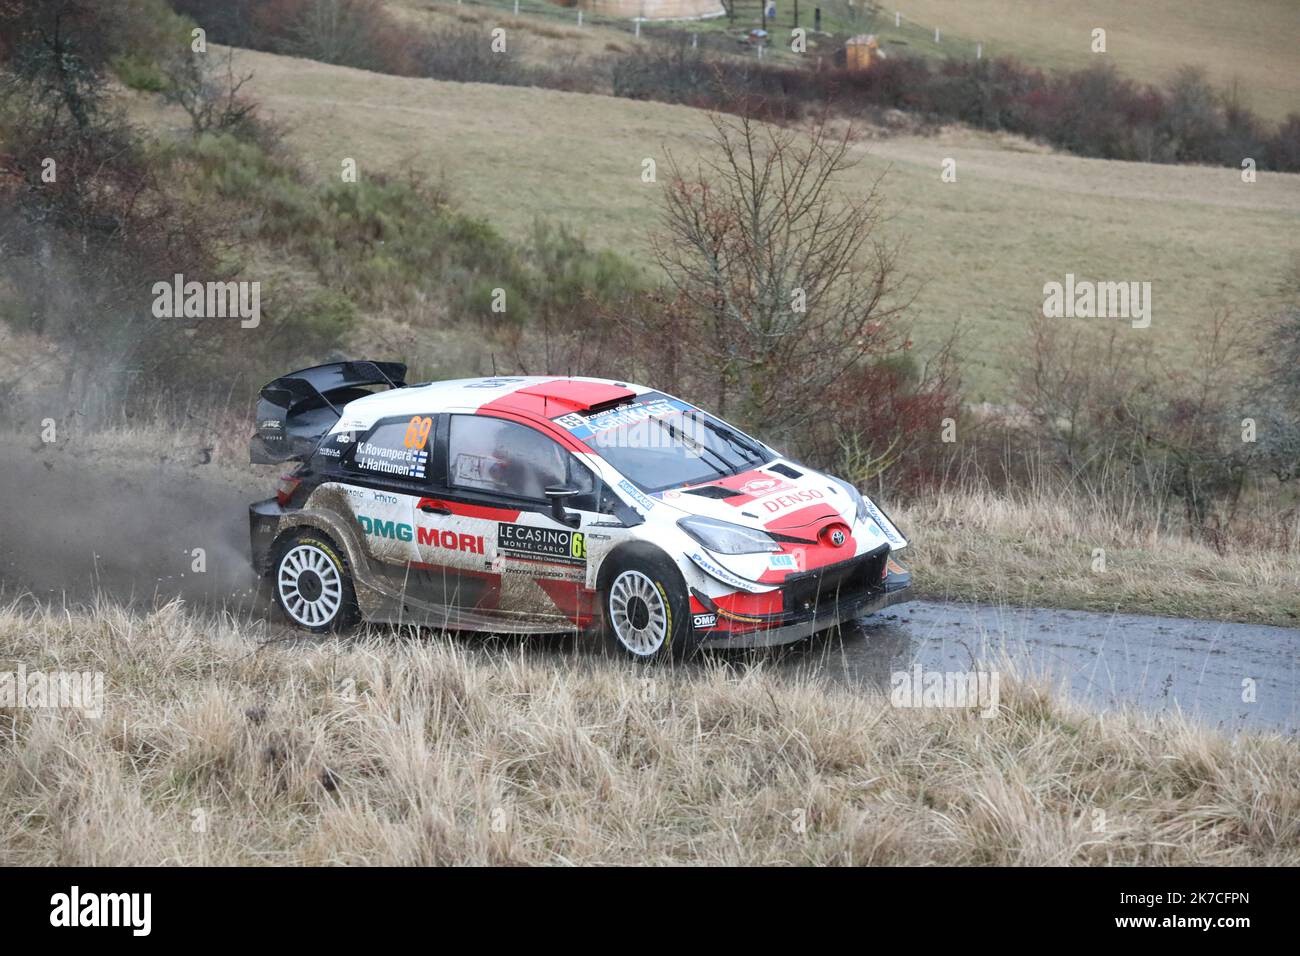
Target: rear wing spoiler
[{"x": 297, "y": 410}]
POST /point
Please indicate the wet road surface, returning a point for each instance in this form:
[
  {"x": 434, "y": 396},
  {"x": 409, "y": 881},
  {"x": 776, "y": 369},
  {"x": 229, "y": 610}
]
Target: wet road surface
[{"x": 1208, "y": 669}]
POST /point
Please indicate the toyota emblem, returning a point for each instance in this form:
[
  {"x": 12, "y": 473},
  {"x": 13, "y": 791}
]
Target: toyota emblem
[{"x": 837, "y": 537}]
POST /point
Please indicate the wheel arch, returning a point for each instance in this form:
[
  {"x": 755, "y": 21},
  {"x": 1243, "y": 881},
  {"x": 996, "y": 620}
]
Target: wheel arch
[
  {"x": 630, "y": 551},
  {"x": 326, "y": 524}
]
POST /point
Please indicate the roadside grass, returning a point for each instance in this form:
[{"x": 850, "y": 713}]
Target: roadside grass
[
  {"x": 220, "y": 745},
  {"x": 1037, "y": 547},
  {"x": 985, "y": 245}
]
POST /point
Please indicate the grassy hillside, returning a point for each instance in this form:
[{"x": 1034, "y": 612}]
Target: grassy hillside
[
  {"x": 394, "y": 748},
  {"x": 984, "y": 246},
  {"x": 1249, "y": 43}
]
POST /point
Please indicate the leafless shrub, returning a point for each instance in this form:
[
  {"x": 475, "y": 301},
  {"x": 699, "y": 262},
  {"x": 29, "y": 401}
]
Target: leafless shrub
[
  {"x": 210, "y": 97},
  {"x": 789, "y": 284},
  {"x": 1108, "y": 411}
]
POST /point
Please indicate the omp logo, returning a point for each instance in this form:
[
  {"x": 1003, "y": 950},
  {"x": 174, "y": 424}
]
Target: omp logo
[
  {"x": 103, "y": 909},
  {"x": 792, "y": 500},
  {"x": 434, "y": 538},
  {"x": 706, "y": 620}
]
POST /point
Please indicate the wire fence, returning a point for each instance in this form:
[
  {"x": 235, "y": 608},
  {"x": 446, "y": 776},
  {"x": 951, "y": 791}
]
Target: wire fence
[{"x": 721, "y": 30}]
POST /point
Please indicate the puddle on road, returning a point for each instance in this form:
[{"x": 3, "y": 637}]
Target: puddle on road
[{"x": 1104, "y": 660}]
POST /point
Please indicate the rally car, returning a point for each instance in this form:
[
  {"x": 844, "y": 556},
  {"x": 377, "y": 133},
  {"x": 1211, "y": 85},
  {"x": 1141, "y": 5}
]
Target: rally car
[{"x": 539, "y": 504}]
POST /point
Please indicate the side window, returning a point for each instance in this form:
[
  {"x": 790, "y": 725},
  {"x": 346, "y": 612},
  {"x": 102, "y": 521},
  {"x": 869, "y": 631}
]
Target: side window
[
  {"x": 507, "y": 458},
  {"x": 398, "y": 448}
]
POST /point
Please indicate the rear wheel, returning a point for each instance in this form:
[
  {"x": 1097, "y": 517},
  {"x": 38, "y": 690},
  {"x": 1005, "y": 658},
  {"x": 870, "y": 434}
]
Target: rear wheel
[
  {"x": 647, "y": 612},
  {"x": 311, "y": 583}
]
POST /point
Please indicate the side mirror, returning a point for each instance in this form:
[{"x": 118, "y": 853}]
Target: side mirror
[{"x": 559, "y": 494}]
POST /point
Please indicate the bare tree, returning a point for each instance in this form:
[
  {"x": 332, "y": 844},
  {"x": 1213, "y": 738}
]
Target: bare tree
[
  {"x": 790, "y": 286},
  {"x": 212, "y": 101}
]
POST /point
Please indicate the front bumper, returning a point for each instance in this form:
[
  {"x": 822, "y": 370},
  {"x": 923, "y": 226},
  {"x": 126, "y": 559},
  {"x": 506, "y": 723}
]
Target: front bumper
[{"x": 798, "y": 630}]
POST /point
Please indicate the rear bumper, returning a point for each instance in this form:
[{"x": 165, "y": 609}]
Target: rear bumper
[
  {"x": 263, "y": 521},
  {"x": 798, "y": 630}
]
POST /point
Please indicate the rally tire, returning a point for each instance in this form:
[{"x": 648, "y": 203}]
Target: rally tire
[
  {"x": 311, "y": 583},
  {"x": 646, "y": 611}
]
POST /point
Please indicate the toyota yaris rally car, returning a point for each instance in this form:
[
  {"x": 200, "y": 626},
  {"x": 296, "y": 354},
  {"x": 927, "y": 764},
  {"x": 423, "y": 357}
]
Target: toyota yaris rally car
[{"x": 534, "y": 504}]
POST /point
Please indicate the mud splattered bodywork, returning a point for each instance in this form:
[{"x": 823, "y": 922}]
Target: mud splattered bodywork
[{"x": 501, "y": 504}]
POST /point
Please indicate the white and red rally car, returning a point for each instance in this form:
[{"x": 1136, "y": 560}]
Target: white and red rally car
[{"x": 514, "y": 504}]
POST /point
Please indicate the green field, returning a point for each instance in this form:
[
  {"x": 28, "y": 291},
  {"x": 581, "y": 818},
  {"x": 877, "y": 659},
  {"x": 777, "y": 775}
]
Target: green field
[
  {"x": 980, "y": 248},
  {"x": 1249, "y": 45}
]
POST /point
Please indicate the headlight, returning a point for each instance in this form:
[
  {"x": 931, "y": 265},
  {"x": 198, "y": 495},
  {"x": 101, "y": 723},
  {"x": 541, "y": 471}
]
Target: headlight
[
  {"x": 856, "y": 497},
  {"x": 726, "y": 538}
]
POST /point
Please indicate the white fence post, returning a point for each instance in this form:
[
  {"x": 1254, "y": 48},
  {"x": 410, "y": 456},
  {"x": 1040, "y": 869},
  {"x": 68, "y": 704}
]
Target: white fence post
[
  {"x": 936, "y": 34},
  {"x": 979, "y": 51},
  {"x": 898, "y": 19}
]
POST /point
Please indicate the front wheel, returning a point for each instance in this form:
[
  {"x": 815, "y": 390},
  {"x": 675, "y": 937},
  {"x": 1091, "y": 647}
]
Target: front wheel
[
  {"x": 647, "y": 613},
  {"x": 311, "y": 583}
]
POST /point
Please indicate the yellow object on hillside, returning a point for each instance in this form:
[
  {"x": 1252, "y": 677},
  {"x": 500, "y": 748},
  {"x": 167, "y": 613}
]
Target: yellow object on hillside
[{"x": 860, "y": 50}]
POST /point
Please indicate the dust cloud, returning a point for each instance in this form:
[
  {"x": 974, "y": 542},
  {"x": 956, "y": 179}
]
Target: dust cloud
[{"x": 71, "y": 528}]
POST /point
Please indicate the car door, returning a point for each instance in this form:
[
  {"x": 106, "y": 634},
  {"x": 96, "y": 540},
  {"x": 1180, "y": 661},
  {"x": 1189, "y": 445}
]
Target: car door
[
  {"x": 388, "y": 469},
  {"x": 516, "y": 563}
]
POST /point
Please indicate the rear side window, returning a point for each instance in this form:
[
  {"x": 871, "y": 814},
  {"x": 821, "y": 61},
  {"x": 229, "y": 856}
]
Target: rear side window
[
  {"x": 397, "y": 448},
  {"x": 506, "y": 458}
]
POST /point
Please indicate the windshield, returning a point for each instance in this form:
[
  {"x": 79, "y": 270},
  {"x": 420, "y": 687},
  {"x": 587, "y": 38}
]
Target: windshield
[{"x": 659, "y": 443}]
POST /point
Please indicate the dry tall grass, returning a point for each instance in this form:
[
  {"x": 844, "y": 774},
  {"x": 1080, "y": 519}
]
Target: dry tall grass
[
  {"x": 393, "y": 748},
  {"x": 1037, "y": 546}
]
